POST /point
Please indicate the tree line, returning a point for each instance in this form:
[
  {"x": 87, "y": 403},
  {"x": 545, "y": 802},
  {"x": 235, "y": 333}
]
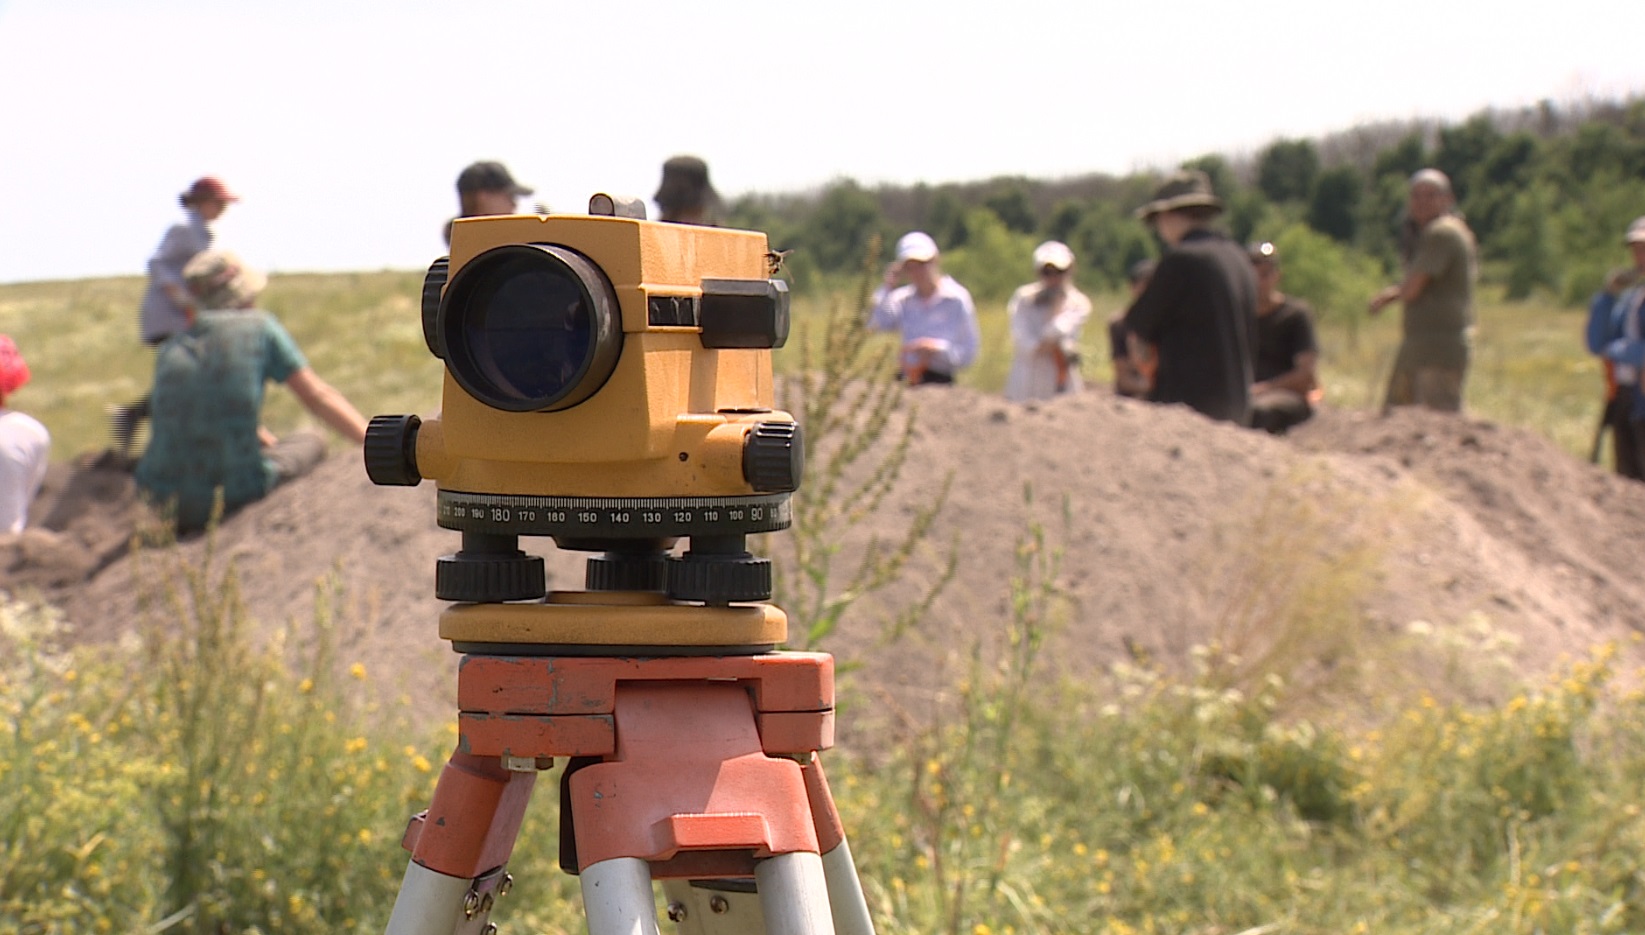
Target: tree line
[{"x": 1548, "y": 190}]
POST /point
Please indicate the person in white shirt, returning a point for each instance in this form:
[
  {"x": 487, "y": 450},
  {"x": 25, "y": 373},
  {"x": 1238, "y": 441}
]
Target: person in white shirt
[
  {"x": 24, "y": 444},
  {"x": 934, "y": 313},
  {"x": 1046, "y": 317}
]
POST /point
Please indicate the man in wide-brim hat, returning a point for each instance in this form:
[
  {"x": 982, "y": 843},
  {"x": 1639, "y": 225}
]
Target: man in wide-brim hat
[{"x": 1198, "y": 311}]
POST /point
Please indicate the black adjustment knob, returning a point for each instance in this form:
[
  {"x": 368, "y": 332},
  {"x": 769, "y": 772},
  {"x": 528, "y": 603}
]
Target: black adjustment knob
[
  {"x": 434, "y": 284},
  {"x": 621, "y": 572},
  {"x": 391, "y": 451},
  {"x": 489, "y": 578},
  {"x": 774, "y": 457},
  {"x": 719, "y": 579}
]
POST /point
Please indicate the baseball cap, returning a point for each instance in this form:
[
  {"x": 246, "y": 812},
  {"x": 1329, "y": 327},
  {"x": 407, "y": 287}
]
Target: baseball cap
[
  {"x": 489, "y": 176},
  {"x": 1636, "y": 232},
  {"x": 209, "y": 186},
  {"x": 1053, "y": 253},
  {"x": 14, "y": 372},
  {"x": 917, "y": 246},
  {"x": 217, "y": 279}
]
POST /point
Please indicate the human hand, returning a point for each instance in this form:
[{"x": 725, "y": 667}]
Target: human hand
[
  {"x": 1621, "y": 278},
  {"x": 1382, "y": 299}
]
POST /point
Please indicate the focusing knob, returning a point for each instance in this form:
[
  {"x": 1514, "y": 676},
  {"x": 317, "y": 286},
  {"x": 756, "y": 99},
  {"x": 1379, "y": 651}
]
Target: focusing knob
[
  {"x": 719, "y": 579},
  {"x": 774, "y": 457},
  {"x": 391, "y": 451},
  {"x": 434, "y": 284},
  {"x": 488, "y": 579}
]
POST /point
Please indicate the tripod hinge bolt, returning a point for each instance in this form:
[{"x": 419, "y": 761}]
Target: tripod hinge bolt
[
  {"x": 490, "y": 929},
  {"x": 506, "y": 884},
  {"x": 676, "y": 912},
  {"x": 471, "y": 904},
  {"x": 720, "y": 905}
]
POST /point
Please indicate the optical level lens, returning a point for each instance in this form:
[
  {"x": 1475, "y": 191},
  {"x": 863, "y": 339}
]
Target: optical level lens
[{"x": 530, "y": 327}]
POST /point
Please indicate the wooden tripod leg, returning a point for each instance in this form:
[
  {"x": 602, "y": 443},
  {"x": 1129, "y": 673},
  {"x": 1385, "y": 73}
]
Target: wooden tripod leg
[{"x": 460, "y": 846}]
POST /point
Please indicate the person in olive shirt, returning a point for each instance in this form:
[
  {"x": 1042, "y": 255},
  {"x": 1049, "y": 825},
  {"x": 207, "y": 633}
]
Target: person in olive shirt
[
  {"x": 1441, "y": 267},
  {"x": 1198, "y": 312},
  {"x": 1287, "y": 351}
]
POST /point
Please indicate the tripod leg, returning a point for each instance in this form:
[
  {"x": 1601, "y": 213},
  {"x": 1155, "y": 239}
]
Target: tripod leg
[
  {"x": 794, "y": 894},
  {"x": 845, "y": 898},
  {"x": 429, "y": 903},
  {"x": 617, "y": 897},
  {"x": 459, "y": 848}
]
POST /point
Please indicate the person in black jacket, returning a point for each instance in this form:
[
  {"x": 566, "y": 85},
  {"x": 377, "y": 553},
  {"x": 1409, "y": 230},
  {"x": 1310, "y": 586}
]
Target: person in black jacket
[{"x": 1198, "y": 312}]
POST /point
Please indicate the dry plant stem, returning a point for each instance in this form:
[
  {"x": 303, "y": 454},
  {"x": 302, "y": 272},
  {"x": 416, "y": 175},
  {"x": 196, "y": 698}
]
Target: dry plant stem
[
  {"x": 849, "y": 404},
  {"x": 968, "y": 766}
]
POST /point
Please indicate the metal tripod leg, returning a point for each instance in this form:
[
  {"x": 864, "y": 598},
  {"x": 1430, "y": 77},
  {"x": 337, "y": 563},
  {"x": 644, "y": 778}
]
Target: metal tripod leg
[
  {"x": 794, "y": 895},
  {"x": 845, "y": 899},
  {"x": 617, "y": 897},
  {"x": 460, "y": 847}
]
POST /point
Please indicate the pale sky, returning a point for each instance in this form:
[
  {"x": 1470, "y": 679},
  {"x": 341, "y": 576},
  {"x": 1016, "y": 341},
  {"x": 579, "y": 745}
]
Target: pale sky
[{"x": 343, "y": 123}]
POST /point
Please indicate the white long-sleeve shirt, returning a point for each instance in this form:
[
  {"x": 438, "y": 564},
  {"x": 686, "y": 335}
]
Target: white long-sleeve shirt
[
  {"x": 948, "y": 317},
  {"x": 1038, "y": 327},
  {"x": 24, "y": 448}
]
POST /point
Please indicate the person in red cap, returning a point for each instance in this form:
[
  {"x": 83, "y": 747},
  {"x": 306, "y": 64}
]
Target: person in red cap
[
  {"x": 24, "y": 444},
  {"x": 166, "y": 303}
]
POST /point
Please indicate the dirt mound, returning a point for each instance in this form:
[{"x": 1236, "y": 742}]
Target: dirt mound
[{"x": 1460, "y": 539}]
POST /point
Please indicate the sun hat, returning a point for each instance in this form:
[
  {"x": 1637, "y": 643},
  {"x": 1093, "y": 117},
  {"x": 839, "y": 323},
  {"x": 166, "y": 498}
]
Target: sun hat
[
  {"x": 1636, "y": 232},
  {"x": 14, "y": 372},
  {"x": 1053, "y": 253},
  {"x": 209, "y": 186},
  {"x": 1189, "y": 188},
  {"x": 685, "y": 185},
  {"x": 489, "y": 176},
  {"x": 217, "y": 279},
  {"x": 917, "y": 246}
]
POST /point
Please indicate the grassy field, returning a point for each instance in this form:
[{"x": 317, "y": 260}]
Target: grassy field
[
  {"x": 362, "y": 332},
  {"x": 203, "y": 780}
]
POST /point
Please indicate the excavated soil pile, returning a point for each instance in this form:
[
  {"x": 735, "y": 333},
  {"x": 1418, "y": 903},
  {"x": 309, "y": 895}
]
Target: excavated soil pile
[{"x": 1414, "y": 548}]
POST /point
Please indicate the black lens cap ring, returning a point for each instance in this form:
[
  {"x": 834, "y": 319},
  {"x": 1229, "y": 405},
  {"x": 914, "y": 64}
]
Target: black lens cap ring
[{"x": 530, "y": 328}]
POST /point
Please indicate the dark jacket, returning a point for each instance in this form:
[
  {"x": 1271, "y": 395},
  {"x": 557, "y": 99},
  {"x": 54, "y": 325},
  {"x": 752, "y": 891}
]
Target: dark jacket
[{"x": 1200, "y": 311}]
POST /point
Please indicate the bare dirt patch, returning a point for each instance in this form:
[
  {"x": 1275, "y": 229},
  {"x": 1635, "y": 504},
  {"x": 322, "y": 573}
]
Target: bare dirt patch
[{"x": 1488, "y": 551}]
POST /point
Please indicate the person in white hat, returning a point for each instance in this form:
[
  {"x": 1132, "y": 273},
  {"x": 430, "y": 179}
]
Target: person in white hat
[
  {"x": 1616, "y": 334},
  {"x": 1046, "y": 317},
  {"x": 934, "y": 314}
]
